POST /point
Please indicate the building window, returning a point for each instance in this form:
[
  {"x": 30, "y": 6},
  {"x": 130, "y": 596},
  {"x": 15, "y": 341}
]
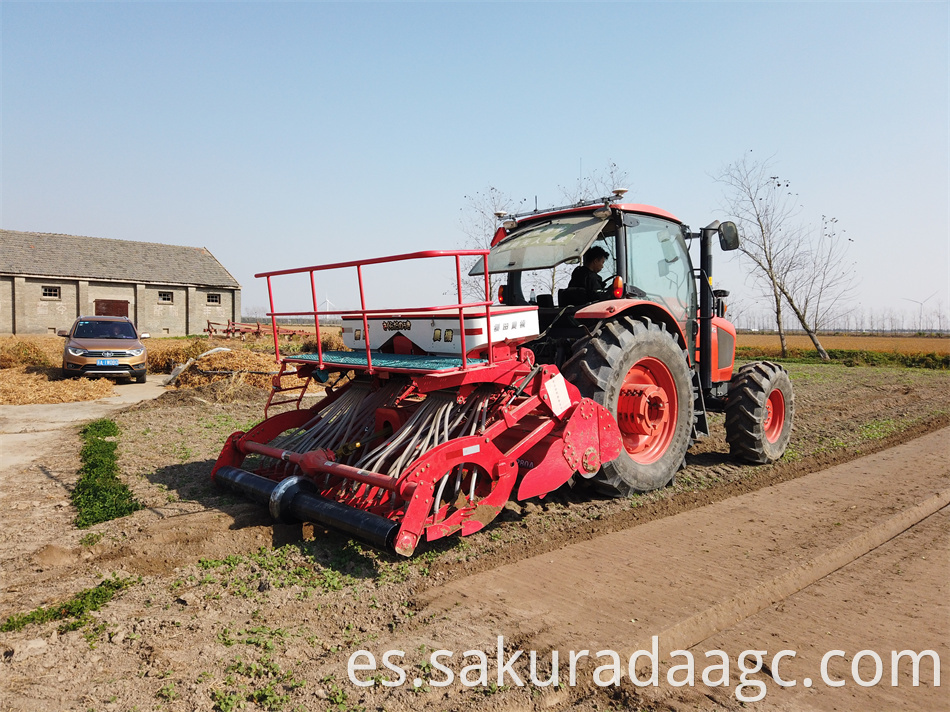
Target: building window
[
  {"x": 214, "y": 299},
  {"x": 52, "y": 293},
  {"x": 166, "y": 298}
]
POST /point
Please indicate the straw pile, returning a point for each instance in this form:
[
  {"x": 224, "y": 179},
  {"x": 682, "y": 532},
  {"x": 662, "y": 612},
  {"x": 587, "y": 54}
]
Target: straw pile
[
  {"x": 28, "y": 374},
  {"x": 30, "y": 351},
  {"x": 247, "y": 367},
  {"x": 26, "y": 385}
]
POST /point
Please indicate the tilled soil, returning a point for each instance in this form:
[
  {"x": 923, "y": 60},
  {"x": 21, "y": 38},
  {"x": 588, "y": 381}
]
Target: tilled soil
[{"x": 272, "y": 628}]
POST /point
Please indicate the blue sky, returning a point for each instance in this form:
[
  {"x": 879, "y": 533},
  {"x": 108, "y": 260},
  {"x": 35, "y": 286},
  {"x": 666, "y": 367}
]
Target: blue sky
[{"x": 282, "y": 135}]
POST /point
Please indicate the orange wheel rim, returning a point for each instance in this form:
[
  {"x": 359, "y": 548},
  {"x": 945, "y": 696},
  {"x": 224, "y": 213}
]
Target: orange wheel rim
[
  {"x": 774, "y": 415},
  {"x": 647, "y": 410}
]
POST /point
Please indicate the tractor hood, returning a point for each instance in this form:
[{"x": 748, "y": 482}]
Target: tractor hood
[{"x": 543, "y": 244}]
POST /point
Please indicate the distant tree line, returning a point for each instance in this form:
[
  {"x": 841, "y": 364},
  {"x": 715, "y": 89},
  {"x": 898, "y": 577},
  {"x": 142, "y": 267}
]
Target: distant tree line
[{"x": 852, "y": 318}]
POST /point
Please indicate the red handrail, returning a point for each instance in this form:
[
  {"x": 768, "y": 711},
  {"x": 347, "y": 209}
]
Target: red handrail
[
  {"x": 377, "y": 260},
  {"x": 460, "y": 306}
]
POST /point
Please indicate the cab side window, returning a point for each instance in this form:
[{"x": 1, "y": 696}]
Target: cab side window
[{"x": 658, "y": 264}]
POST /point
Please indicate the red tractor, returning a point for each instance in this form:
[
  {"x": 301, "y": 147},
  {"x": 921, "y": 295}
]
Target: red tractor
[{"x": 434, "y": 417}]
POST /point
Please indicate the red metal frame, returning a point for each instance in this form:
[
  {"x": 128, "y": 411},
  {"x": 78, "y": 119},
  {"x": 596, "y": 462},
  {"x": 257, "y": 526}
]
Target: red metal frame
[
  {"x": 232, "y": 328},
  {"x": 364, "y": 313}
]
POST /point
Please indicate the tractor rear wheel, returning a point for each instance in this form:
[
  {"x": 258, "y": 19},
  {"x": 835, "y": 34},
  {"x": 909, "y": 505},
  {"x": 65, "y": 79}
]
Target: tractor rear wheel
[
  {"x": 638, "y": 372},
  {"x": 759, "y": 411}
]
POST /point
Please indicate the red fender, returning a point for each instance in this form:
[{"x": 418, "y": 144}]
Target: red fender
[{"x": 615, "y": 307}]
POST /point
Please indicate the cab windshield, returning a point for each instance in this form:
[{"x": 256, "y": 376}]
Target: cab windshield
[{"x": 544, "y": 244}]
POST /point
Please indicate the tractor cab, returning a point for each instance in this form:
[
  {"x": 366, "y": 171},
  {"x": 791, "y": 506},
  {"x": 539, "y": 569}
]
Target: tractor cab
[{"x": 647, "y": 262}]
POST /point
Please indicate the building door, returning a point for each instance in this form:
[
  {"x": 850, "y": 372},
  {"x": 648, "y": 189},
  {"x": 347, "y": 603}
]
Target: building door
[{"x": 112, "y": 307}]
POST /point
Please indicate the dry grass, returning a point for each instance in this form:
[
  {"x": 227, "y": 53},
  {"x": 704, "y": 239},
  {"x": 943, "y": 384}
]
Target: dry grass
[
  {"x": 30, "y": 351},
  {"x": 30, "y": 373},
  {"x": 855, "y": 342},
  {"x": 27, "y": 385},
  {"x": 248, "y": 367}
]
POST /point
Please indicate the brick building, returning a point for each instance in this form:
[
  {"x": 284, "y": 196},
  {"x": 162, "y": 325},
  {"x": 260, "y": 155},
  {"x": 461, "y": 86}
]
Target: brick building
[{"x": 47, "y": 280}]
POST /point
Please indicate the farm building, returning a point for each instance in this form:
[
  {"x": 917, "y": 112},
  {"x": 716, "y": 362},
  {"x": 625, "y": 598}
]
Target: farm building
[{"x": 47, "y": 280}]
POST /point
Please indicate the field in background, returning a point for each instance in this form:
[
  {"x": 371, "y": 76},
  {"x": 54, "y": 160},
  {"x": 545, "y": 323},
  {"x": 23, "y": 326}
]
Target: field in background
[{"x": 851, "y": 342}]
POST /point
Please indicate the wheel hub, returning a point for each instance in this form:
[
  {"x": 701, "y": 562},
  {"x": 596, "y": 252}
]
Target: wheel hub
[
  {"x": 643, "y": 410},
  {"x": 647, "y": 410}
]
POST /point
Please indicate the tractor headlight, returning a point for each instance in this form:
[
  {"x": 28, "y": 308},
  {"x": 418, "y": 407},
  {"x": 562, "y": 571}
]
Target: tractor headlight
[{"x": 77, "y": 352}]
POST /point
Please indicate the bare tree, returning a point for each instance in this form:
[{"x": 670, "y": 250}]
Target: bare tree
[
  {"x": 478, "y": 219},
  {"x": 821, "y": 278},
  {"x": 804, "y": 269},
  {"x": 764, "y": 210}
]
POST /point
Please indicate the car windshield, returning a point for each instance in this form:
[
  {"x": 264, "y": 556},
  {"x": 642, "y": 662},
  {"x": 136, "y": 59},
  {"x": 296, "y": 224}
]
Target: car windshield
[
  {"x": 104, "y": 330},
  {"x": 543, "y": 245}
]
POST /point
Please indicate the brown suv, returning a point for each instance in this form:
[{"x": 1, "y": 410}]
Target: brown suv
[{"x": 104, "y": 346}]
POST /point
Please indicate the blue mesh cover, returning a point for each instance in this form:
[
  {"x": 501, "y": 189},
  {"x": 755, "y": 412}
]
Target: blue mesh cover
[{"x": 409, "y": 362}]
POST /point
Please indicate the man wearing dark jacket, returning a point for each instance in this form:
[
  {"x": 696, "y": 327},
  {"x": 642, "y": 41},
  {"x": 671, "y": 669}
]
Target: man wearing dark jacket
[{"x": 586, "y": 276}]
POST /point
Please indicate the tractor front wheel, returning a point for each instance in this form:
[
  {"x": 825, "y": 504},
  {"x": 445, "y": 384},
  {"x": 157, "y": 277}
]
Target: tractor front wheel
[
  {"x": 638, "y": 372},
  {"x": 759, "y": 411}
]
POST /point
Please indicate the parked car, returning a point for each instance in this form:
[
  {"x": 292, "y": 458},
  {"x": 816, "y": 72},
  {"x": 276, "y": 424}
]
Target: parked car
[{"x": 104, "y": 346}]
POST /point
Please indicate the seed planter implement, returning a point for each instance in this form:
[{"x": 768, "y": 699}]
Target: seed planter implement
[{"x": 434, "y": 417}]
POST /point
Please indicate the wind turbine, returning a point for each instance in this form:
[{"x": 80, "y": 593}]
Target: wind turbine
[
  {"x": 920, "y": 315},
  {"x": 326, "y": 305}
]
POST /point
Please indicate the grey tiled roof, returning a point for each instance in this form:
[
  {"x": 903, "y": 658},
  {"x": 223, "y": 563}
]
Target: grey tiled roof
[{"x": 51, "y": 255}]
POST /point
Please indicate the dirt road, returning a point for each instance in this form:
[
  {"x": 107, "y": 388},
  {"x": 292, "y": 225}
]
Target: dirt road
[
  {"x": 24, "y": 428},
  {"x": 719, "y": 578},
  {"x": 852, "y": 557}
]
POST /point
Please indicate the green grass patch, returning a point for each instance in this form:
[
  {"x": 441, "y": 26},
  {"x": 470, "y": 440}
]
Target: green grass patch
[
  {"x": 76, "y": 608},
  {"x": 99, "y": 495},
  {"x": 849, "y": 357},
  {"x": 878, "y": 429},
  {"x": 265, "y": 685},
  {"x": 91, "y": 539},
  {"x": 299, "y": 565}
]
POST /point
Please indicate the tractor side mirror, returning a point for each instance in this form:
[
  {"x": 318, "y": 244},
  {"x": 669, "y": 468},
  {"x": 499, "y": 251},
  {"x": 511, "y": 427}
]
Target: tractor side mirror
[{"x": 728, "y": 236}]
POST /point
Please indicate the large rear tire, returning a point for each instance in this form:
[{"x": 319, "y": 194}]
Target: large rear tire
[
  {"x": 637, "y": 371},
  {"x": 760, "y": 408}
]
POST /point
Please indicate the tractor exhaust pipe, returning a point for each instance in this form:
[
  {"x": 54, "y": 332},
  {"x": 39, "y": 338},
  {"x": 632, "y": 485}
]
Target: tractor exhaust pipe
[{"x": 289, "y": 499}]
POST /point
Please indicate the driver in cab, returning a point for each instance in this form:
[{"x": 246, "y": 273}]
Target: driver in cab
[{"x": 586, "y": 276}]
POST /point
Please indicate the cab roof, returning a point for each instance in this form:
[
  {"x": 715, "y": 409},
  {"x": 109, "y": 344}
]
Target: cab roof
[{"x": 637, "y": 208}]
